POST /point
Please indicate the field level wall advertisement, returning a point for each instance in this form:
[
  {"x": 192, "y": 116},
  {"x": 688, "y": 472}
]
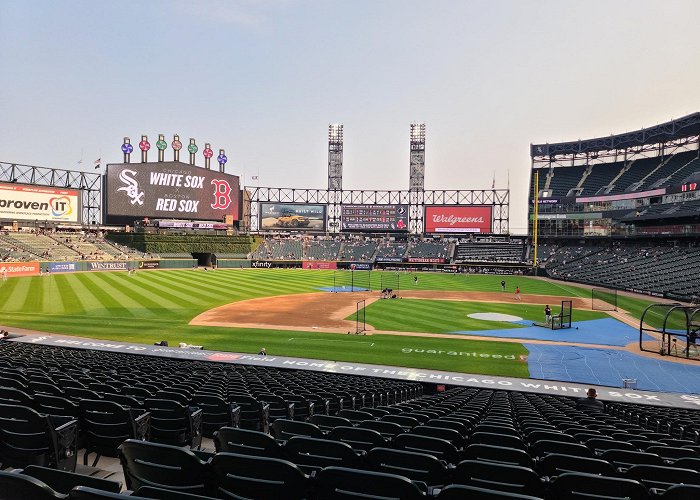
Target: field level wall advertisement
[
  {"x": 23, "y": 202},
  {"x": 11, "y": 269},
  {"x": 170, "y": 190},
  {"x": 320, "y": 264},
  {"x": 292, "y": 216},
  {"x": 457, "y": 219}
]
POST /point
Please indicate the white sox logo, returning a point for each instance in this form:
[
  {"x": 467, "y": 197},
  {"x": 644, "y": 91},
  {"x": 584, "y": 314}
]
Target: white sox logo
[
  {"x": 131, "y": 186},
  {"x": 222, "y": 194}
]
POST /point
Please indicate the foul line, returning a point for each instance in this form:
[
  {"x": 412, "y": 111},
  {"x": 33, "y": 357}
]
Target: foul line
[{"x": 330, "y": 340}]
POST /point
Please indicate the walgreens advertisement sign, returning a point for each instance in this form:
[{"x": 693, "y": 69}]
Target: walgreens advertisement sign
[{"x": 457, "y": 219}]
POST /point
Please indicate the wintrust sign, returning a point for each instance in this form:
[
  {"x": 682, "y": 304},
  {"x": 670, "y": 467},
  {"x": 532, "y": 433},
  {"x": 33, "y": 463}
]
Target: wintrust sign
[{"x": 457, "y": 219}]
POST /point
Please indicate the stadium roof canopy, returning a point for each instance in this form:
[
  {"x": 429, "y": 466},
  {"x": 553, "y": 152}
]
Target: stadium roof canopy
[{"x": 675, "y": 129}]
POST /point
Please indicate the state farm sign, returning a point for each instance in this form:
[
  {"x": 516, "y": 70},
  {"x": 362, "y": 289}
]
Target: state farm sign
[
  {"x": 457, "y": 219},
  {"x": 19, "y": 268}
]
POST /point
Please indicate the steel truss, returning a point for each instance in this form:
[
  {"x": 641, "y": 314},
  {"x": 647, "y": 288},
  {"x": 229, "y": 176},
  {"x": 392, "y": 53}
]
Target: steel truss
[
  {"x": 89, "y": 184},
  {"x": 498, "y": 199}
]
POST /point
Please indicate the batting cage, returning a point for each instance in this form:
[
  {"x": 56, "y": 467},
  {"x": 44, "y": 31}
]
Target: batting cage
[
  {"x": 562, "y": 320},
  {"x": 603, "y": 299},
  {"x": 360, "y": 318},
  {"x": 351, "y": 281},
  {"x": 670, "y": 330}
]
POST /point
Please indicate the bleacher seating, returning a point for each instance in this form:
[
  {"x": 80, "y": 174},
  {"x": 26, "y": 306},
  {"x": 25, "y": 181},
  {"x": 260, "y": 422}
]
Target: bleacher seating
[
  {"x": 489, "y": 252},
  {"x": 41, "y": 246},
  {"x": 358, "y": 250},
  {"x": 279, "y": 249},
  {"x": 321, "y": 249},
  {"x": 391, "y": 250},
  {"x": 564, "y": 179},
  {"x": 429, "y": 249},
  {"x": 461, "y": 443}
]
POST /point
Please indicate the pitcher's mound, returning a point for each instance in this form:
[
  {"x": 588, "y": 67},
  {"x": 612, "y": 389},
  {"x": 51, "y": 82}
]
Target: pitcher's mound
[{"x": 494, "y": 317}]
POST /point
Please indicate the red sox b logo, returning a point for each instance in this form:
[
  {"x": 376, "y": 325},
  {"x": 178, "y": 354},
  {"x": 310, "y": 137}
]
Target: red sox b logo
[{"x": 222, "y": 194}]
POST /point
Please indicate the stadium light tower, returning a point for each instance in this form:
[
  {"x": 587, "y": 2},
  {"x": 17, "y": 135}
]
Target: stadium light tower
[
  {"x": 417, "y": 168},
  {"x": 335, "y": 157}
]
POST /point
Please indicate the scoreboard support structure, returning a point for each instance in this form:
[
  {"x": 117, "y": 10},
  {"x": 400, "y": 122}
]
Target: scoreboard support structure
[{"x": 498, "y": 199}]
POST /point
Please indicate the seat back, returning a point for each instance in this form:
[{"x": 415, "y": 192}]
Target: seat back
[
  {"x": 245, "y": 476},
  {"x": 284, "y": 429},
  {"x": 24, "y": 437},
  {"x": 343, "y": 483},
  {"x": 16, "y": 486},
  {"x": 359, "y": 439},
  {"x": 63, "y": 481},
  {"x": 314, "y": 454},
  {"x": 501, "y": 477},
  {"x": 414, "y": 466},
  {"x": 573, "y": 485},
  {"x": 440, "y": 448},
  {"x": 556, "y": 463},
  {"x": 246, "y": 442},
  {"x": 161, "y": 466}
]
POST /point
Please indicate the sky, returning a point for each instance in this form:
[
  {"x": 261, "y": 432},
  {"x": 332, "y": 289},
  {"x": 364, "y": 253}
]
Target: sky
[{"x": 264, "y": 78}]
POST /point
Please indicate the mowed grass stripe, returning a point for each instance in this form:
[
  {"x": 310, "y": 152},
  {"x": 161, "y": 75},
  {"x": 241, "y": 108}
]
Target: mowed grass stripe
[
  {"x": 166, "y": 291},
  {"x": 33, "y": 301},
  {"x": 90, "y": 304},
  {"x": 130, "y": 289},
  {"x": 69, "y": 298},
  {"x": 186, "y": 288},
  {"x": 52, "y": 296},
  {"x": 8, "y": 292},
  {"x": 111, "y": 304}
]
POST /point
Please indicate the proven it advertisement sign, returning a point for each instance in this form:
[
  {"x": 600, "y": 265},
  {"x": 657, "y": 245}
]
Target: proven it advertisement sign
[
  {"x": 21, "y": 202},
  {"x": 19, "y": 269},
  {"x": 457, "y": 219}
]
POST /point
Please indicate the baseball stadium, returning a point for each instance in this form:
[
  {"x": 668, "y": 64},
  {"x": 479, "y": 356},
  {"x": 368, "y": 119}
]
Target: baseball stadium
[{"x": 172, "y": 330}]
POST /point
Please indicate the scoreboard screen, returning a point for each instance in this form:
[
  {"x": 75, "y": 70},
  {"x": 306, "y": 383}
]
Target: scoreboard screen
[{"x": 374, "y": 218}]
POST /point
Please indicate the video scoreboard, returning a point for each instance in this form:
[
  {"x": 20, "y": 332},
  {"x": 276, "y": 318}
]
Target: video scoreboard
[{"x": 374, "y": 218}]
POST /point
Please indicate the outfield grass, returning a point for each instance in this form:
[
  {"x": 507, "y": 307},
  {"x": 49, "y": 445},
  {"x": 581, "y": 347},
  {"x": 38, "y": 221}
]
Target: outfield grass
[{"x": 155, "y": 305}]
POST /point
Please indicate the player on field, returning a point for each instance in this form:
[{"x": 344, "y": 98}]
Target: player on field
[{"x": 517, "y": 293}]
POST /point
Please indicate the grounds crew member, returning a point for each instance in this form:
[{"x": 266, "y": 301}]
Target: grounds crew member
[{"x": 503, "y": 285}]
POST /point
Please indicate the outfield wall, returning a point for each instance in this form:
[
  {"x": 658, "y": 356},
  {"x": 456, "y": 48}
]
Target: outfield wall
[{"x": 55, "y": 267}]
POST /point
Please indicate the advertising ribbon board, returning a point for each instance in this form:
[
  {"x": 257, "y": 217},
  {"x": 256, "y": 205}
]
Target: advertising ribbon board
[
  {"x": 19, "y": 268},
  {"x": 63, "y": 267},
  {"x": 457, "y": 219},
  {"x": 108, "y": 266}
]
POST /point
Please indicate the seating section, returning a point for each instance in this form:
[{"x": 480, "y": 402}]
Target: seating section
[
  {"x": 636, "y": 175},
  {"x": 653, "y": 267},
  {"x": 391, "y": 250},
  {"x": 354, "y": 437},
  {"x": 429, "y": 249},
  {"x": 358, "y": 250},
  {"x": 63, "y": 245},
  {"x": 321, "y": 249},
  {"x": 488, "y": 252},
  {"x": 279, "y": 249}
]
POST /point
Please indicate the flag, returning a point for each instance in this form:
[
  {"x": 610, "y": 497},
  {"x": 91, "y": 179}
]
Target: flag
[
  {"x": 79, "y": 162},
  {"x": 97, "y": 163},
  {"x": 493, "y": 183},
  {"x": 255, "y": 177}
]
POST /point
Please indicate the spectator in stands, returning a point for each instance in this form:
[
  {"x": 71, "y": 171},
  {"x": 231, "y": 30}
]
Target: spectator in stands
[{"x": 590, "y": 402}]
